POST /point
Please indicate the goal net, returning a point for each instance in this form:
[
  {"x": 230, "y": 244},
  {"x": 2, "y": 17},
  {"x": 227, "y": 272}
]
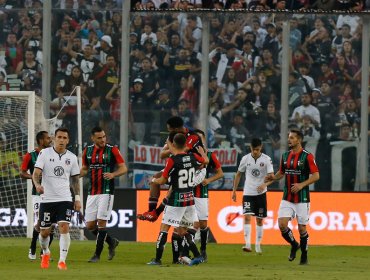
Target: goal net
[{"x": 21, "y": 117}]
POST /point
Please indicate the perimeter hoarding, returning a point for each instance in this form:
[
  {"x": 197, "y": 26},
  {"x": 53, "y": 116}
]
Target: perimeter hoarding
[{"x": 336, "y": 219}]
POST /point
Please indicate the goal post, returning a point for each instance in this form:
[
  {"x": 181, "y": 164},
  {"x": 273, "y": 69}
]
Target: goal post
[
  {"x": 30, "y": 97},
  {"x": 21, "y": 117}
]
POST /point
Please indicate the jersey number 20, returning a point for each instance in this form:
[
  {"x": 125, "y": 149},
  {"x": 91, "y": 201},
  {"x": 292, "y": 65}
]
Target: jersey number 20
[{"x": 186, "y": 178}]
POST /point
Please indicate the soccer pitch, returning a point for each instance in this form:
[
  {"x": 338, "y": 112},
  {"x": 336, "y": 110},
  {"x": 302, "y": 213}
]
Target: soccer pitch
[{"x": 224, "y": 262}]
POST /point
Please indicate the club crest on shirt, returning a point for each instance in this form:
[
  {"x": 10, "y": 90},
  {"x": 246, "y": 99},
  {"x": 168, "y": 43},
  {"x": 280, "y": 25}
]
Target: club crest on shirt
[
  {"x": 262, "y": 164},
  {"x": 68, "y": 161}
]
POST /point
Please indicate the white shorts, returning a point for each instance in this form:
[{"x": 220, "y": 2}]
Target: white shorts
[
  {"x": 291, "y": 210},
  {"x": 180, "y": 216},
  {"x": 36, "y": 200},
  {"x": 201, "y": 206},
  {"x": 99, "y": 207}
]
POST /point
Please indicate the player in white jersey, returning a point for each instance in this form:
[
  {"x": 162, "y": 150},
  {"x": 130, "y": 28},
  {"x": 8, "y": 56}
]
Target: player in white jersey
[
  {"x": 59, "y": 171},
  {"x": 256, "y": 165}
]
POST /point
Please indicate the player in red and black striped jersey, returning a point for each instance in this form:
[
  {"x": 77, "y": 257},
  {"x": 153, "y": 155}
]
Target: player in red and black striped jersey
[
  {"x": 174, "y": 124},
  {"x": 300, "y": 170},
  {"x": 28, "y": 164},
  {"x": 180, "y": 211},
  {"x": 102, "y": 162},
  {"x": 201, "y": 195}
]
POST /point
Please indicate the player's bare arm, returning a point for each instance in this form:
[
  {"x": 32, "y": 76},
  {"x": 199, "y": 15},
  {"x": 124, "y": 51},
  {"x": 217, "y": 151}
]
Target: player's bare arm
[
  {"x": 36, "y": 178},
  {"x": 165, "y": 153},
  {"x": 25, "y": 175},
  {"x": 219, "y": 174},
  {"x": 75, "y": 185},
  {"x": 236, "y": 184},
  {"x": 271, "y": 177},
  {"x": 122, "y": 169},
  {"x": 296, "y": 187},
  {"x": 202, "y": 152},
  {"x": 84, "y": 170},
  {"x": 262, "y": 187},
  {"x": 159, "y": 181}
]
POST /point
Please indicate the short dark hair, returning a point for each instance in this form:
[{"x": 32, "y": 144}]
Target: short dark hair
[
  {"x": 96, "y": 129},
  {"x": 200, "y": 132},
  {"x": 298, "y": 132},
  {"x": 62, "y": 129},
  {"x": 256, "y": 142},
  {"x": 40, "y": 136},
  {"x": 179, "y": 140},
  {"x": 175, "y": 122},
  {"x": 171, "y": 135}
]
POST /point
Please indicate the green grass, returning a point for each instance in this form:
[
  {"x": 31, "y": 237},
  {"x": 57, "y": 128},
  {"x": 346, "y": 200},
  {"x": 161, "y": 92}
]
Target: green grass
[{"x": 225, "y": 262}]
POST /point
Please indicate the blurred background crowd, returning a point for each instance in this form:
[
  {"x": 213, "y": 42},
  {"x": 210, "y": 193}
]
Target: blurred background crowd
[{"x": 245, "y": 62}]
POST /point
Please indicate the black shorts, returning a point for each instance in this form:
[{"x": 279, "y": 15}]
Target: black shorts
[
  {"x": 53, "y": 212},
  {"x": 255, "y": 205}
]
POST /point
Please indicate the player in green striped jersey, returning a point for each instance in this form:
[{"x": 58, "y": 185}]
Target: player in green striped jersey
[{"x": 300, "y": 170}]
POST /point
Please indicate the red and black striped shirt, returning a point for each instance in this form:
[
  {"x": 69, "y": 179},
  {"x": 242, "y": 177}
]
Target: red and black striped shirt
[
  {"x": 297, "y": 168},
  {"x": 101, "y": 161}
]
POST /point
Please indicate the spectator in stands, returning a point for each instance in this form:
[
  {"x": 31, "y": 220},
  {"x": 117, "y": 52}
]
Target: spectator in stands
[
  {"x": 342, "y": 71},
  {"x": 326, "y": 104},
  {"x": 106, "y": 77},
  {"x": 35, "y": 42},
  {"x": 193, "y": 33},
  {"x": 325, "y": 73},
  {"x": 222, "y": 60},
  {"x": 140, "y": 111},
  {"x": 309, "y": 130},
  {"x": 4, "y": 86},
  {"x": 114, "y": 99},
  {"x": 343, "y": 34},
  {"x": 295, "y": 38},
  {"x": 87, "y": 63},
  {"x": 150, "y": 78},
  {"x": 272, "y": 128},
  {"x": 352, "y": 59},
  {"x": 296, "y": 90},
  {"x": 306, "y": 109},
  {"x": 239, "y": 134},
  {"x": 13, "y": 53},
  {"x": 148, "y": 34},
  {"x": 303, "y": 70},
  {"x": 163, "y": 106},
  {"x": 184, "y": 112},
  {"x": 230, "y": 85},
  {"x": 73, "y": 80},
  {"x": 29, "y": 71},
  {"x": 353, "y": 117},
  {"x": 106, "y": 48}
]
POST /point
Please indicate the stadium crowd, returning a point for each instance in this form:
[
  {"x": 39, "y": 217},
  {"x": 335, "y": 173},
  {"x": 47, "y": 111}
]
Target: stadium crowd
[{"x": 245, "y": 58}]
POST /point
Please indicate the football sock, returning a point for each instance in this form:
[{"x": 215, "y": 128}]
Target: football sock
[
  {"x": 44, "y": 243},
  {"x": 108, "y": 238},
  {"x": 190, "y": 241},
  {"x": 304, "y": 242},
  {"x": 203, "y": 238},
  {"x": 35, "y": 235},
  {"x": 102, "y": 234},
  {"x": 259, "y": 234},
  {"x": 176, "y": 241},
  {"x": 64, "y": 242},
  {"x": 161, "y": 207},
  {"x": 152, "y": 203},
  {"x": 288, "y": 236},
  {"x": 185, "y": 248},
  {"x": 51, "y": 237},
  {"x": 247, "y": 235},
  {"x": 161, "y": 241}
]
